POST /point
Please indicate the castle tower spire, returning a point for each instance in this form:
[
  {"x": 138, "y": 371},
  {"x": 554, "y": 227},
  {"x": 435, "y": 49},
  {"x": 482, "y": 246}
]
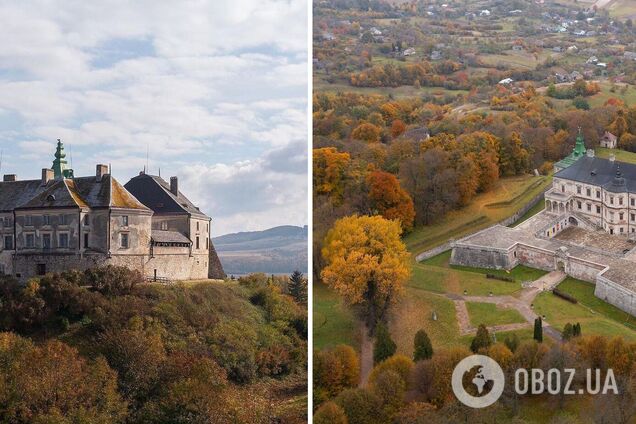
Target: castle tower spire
[
  {"x": 579, "y": 147},
  {"x": 59, "y": 164}
]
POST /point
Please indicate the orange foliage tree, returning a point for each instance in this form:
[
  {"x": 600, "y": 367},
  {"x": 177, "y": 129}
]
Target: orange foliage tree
[
  {"x": 329, "y": 168},
  {"x": 367, "y": 263},
  {"x": 389, "y": 199}
]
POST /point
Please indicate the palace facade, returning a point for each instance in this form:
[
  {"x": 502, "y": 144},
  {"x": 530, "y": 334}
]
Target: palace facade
[{"x": 62, "y": 222}]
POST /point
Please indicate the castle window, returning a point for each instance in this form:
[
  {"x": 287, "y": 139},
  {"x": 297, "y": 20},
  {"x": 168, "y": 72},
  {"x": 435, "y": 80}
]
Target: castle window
[
  {"x": 29, "y": 240},
  {"x": 85, "y": 240},
  {"x": 124, "y": 220},
  {"x": 620, "y": 216},
  {"x": 611, "y": 200},
  {"x": 589, "y": 207},
  {"x": 123, "y": 242},
  {"x": 578, "y": 204},
  {"x": 164, "y": 225},
  {"x": 41, "y": 269},
  {"x": 46, "y": 220},
  {"x": 63, "y": 220},
  {"x": 8, "y": 242},
  {"x": 87, "y": 220},
  {"x": 207, "y": 244},
  {"x": 578, "y": 189},
  {"x": 197, "y": 242},
  {"x": 62, "y": 240},
  {"x": 621, "y": 230},
  {"x": 620, "y": 200},
  {"x": 598, "y": 194},
  {"x": 563, "y": 188},
  {"x": 46, "y": 241},
  {"x": 598, "y": 209},
  {"x": 28, "y": 220},
  {"x": 588, "y": 192},
  {"x": 197, "y": 225},
  {"x": 633, "y": 217}
]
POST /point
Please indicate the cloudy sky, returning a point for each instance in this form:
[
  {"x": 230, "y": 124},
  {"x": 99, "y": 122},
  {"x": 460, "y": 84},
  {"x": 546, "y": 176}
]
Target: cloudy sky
[{"x": 214, "y": 90}]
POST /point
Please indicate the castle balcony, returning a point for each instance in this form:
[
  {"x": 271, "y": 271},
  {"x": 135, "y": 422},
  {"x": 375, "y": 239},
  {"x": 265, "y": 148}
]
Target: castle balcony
[{"x": 558, "y": 202}]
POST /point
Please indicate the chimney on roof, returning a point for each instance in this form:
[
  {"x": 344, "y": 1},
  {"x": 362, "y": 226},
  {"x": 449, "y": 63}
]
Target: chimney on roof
[
  {"x": 100, "y": 171},
  {"x": 47, "y": 175},
  {"x": 10, "y": 178},
  {"x": 174, "y": 185}
]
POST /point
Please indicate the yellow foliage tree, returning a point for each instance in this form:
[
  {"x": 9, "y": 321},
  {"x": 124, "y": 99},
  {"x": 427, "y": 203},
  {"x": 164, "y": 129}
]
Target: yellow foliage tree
[
  {"x": 367, "y": 263},
  {"x": 329, "y": 168}
]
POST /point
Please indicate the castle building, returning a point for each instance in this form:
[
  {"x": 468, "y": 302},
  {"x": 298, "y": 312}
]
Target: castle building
[
  {"x": 63, "y": 222},
  {"x": 601, "y": 191}
]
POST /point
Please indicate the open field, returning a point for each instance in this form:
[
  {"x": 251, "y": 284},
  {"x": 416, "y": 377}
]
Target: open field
[
  {"x": 599, "y": 99},
  {"x": 415, "y": 313},
  {"x": 334, "y": 322},
  {"x": 403, "y": 91},
  {"x": 490, "y": 314},
  {"x": 480, "y": 213}
]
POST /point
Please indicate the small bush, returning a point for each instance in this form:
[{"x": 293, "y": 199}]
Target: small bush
[{"x": 565, "y": 296}]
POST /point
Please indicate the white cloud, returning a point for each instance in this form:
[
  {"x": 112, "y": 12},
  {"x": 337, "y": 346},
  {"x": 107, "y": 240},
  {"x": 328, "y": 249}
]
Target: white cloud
[{"x": 218, "y": 83}]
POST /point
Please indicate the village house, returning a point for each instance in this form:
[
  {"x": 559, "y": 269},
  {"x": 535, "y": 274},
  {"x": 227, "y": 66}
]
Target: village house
[
  {"x": 608, "y": 140},
  {"x": 61, "y": 222}
]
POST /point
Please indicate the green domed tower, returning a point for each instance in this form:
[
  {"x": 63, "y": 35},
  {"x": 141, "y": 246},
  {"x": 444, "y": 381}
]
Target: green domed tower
[
  {"x": 577, "y": 153},
  {"x": 59, "y": 164}
]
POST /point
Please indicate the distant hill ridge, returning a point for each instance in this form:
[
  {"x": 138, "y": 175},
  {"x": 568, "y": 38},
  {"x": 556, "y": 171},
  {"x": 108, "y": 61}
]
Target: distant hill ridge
[{"x": 280, "y": 249}]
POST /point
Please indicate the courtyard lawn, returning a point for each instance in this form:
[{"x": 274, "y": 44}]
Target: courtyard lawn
[
  {"x": 509, "y": 195},
  {"x": 523, "y": 334},
  {"x": 415, "y": 313},
  {"x": 559, "y": 312},
  {"x": 334, "y": 322},
  {"x": 490, "y": 314}
]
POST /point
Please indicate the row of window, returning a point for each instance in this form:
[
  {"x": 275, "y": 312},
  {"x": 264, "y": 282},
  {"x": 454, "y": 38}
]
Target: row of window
[
  {"x": 62, "y": 240},
  {"x": 588, "y": 193},
  {"x": 611, "y": 214}
]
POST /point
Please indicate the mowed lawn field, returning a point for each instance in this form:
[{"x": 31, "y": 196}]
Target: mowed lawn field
[
  {"x": 595, "y": 315},
  {"x": 509, "y": 195},
  {"x": 333, "y": 322}
]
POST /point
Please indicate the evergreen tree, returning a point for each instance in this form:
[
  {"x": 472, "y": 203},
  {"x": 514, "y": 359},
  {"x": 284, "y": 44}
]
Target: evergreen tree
[
  {"x": 512, "y": 342},
  {"x": 577, "y": 330},
  {"x": 568, "y": 331},
  {"x": 298, "y": 287},
  {"x": 384, "y": 347},
  {"x": 538, "y": 330},
  {"x": 481, "y": 340},
  {"x": 423, "y": 346}
]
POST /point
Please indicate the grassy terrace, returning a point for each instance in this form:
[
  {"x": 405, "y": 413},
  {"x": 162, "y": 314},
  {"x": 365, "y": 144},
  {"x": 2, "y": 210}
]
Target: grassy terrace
[
  {"x": 595, "y": 315},
  {"x": 510, "y": 195},
  {"x": 621, "y": 155}
]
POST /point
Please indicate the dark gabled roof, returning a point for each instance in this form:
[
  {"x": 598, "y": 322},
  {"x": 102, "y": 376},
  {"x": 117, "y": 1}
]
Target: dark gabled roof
[
  {"x": 71, "y": 193},
  {"x": 56, "y": 194},
  {"x": 165, "y": 236},
  {"x": 611, "y": 175},
  {"x": 154, "y": 192}
]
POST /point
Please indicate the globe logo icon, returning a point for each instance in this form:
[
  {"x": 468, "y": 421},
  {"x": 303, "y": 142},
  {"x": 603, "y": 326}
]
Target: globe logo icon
[{"x": 486, "y": 377}]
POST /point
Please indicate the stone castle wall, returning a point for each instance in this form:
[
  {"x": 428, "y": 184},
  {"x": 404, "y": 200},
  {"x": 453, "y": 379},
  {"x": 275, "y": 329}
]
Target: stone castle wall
[
  {"x": 615, "y": 294},
  {"x": 168, "y": 266},
  {"x": 480, "y": 257}
]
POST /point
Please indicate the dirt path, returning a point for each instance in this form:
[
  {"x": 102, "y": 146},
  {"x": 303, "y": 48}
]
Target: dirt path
[
  {"x": 366, "y": 355},
  {"x": 522, "y": 304}
]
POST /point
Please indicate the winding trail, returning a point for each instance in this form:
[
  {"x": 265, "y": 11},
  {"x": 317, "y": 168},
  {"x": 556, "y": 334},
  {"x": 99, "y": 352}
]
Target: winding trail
[
  {"x": 522, "y": 304},
  {"x": 366, "y": 355}
]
